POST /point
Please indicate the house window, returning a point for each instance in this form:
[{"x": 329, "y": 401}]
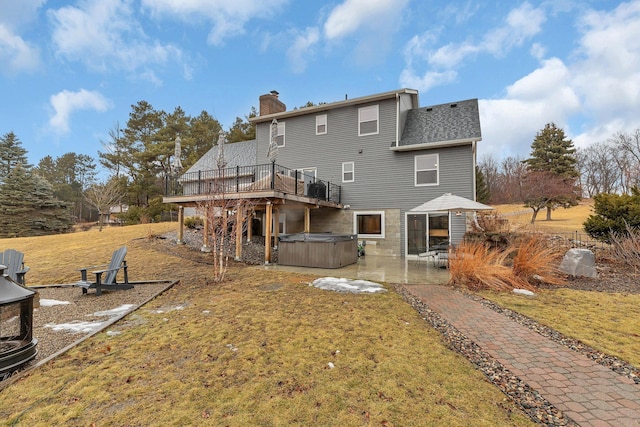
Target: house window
[
  {"x": 426, "y": 170},
  {"x": 369, "y": 224},
  {"x": 321, "y": 124},
  {"x": 280, "y": 136},
  {"x": 348, "y": 172},
  {"x": 368, "y": 120}
]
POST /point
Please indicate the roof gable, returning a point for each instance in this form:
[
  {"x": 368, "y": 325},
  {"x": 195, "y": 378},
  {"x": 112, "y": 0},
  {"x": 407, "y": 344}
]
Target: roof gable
[{"x": 442, "y": 124}]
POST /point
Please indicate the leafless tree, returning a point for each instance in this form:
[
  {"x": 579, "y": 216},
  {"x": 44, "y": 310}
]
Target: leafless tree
[
  {"x": 540, "y": 188},
  {"x": 627, "y": 147},
  {"x": 227, "y": 219},
  {"x": 103, "y": 197},
  {"x": 599, "y": 166}
]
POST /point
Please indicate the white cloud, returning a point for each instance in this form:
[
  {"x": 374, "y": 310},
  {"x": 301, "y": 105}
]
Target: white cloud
[
  {"x": 543, "y": 96},
  {"x": 351, "y": 15},
  {"x": 228, "y": 17},
  {"x": 427, "y": 80},
  {"x": 66, "y": 102},
  {"x": 608, "y": 73},
  {"x": 14, "y": 14},
  {"x": 301, "y": 49},
  {"x": 521, "y": 24},
  {"x": 16, "y": 54},
  {"x": 103, "y": 34}
]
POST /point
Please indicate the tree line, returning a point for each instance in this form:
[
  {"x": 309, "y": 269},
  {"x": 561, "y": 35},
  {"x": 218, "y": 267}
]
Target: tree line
[
  {"x": 57, "y": 192},
  {"x": 612, "y": 167},
  {"x": 557, "y": 175}
]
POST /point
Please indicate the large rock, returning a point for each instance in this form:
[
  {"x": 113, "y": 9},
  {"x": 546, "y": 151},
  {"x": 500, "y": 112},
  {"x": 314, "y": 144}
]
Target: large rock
[{"x": 579, "y": 262}]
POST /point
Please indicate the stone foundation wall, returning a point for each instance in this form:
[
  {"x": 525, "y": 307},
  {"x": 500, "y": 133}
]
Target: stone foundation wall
[{"x": 341, "y": 222}]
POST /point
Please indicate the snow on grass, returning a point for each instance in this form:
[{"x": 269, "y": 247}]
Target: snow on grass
[{"x": 347, "y": 285}]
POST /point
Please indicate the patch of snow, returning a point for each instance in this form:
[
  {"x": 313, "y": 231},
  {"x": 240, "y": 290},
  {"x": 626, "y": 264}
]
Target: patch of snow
[
  {"x": 44, "y": 302},
  {"x": 523, "y": 292},
  {"x": 114, "y": 311},
  {"x": 331, "y": 365},
  {"x": 75, "y": 327},
  {"x": 166, "y": 310},
  {"x": 347, "y": 285},
  {"x": 113, "y": 333}
]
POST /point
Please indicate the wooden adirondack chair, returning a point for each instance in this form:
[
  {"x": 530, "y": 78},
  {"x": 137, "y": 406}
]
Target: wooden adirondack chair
[
  {"x": 14, "y": 263},
  {"x": 111, "y": 272}
]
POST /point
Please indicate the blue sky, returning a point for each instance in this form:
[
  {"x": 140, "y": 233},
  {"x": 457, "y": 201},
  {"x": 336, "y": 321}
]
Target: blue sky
[{"x": 71, "y": 70}]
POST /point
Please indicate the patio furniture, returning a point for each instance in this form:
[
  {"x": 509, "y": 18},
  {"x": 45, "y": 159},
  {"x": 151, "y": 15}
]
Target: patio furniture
[
  {"x": 429, "y": 256},
  {"x": 13, "y": 260},
  {"x": 109, "y": 283}
]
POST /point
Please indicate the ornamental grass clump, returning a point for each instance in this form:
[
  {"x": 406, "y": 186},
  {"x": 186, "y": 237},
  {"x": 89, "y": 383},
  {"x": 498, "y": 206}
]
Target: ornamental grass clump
[
  {"x": 536, "y": 260},
  {"x": 476, "y": 266}
]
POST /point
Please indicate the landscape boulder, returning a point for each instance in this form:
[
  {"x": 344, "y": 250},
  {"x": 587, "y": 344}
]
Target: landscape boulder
[{"x": 579, "y": 262}]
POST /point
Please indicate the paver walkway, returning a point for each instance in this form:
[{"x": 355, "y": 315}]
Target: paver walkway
[{"x": 589, "y": 393}]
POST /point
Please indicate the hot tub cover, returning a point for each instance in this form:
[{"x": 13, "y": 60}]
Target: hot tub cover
[{"x": 316, "y": 237}]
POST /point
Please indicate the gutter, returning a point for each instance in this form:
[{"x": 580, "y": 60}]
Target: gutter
[{"x": 437, "y": 144}]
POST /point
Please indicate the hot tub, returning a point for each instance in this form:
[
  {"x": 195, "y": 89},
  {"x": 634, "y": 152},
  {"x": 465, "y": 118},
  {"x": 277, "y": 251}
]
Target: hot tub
[{"x": 320, "y": 250}]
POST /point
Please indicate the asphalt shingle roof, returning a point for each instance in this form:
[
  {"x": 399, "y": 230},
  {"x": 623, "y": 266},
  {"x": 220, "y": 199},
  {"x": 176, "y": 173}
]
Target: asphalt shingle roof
[
  {"x": 235, "y": 154},
  {"x": 453, "y": 121}
]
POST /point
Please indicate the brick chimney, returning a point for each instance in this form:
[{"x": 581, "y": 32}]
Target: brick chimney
[{"x": 270, "y": 104}]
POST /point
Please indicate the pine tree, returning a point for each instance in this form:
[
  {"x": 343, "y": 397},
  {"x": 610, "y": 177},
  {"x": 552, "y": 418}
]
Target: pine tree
[
  {"x": 483, "y": 195},
  {"x": 11, "y": 154},
  {"x": 553, "y": 154}
]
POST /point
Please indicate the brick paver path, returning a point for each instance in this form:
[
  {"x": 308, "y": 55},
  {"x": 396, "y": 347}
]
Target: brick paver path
[{"x": 588, "y": 393}]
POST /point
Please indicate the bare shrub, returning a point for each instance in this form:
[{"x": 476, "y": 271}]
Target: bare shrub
[
  {"x": 476, "y": 266},
  {"x": 490, "y": 223},
  {"x": 535, "y": 257},
  {"x": 625, "y": 247}
]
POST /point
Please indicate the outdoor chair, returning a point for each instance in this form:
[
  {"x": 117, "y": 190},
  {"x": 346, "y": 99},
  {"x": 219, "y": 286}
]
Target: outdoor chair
[
  {"x": 13, "y": 260},
  {"x": 110, "y": 274}
]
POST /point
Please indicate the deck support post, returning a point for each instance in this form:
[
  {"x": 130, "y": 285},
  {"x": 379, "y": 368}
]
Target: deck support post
[
  {"x": 180, "y": 240},
  {"x": 267, "y": 238},
  {"x": 239, "y": 221}
]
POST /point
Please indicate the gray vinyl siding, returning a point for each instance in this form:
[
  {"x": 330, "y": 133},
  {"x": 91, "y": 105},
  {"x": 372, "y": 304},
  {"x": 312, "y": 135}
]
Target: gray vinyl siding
[{"x": 384, "y": 179}]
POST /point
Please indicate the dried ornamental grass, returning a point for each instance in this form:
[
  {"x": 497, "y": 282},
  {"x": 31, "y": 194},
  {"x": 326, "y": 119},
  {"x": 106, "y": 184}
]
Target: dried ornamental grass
[
  {"x": 476, "y": 267},
  {"x": 534, "y": 257}
]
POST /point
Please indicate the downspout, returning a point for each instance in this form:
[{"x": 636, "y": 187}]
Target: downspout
[
  {"x": 397, "y": 117},
  {"x": 474, "y": 149}
]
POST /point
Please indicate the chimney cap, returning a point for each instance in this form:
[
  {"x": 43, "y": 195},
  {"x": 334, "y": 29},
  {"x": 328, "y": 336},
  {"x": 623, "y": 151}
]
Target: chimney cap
[{"x": 274, "y": 92}]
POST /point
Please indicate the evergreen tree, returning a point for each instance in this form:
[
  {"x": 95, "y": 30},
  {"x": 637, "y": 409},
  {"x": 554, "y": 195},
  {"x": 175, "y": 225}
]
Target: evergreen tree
[
  {"x": 553, "y": 154},
  {"x": 243, "y": 130},
  {"x": 11, "y": 154},
  {"x": 28, "y": 206},
  {"x": 483, "y": 195}
]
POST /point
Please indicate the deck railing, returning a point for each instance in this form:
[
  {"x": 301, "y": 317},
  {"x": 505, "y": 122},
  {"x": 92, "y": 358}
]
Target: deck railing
[{"x": 256, "y": 178}]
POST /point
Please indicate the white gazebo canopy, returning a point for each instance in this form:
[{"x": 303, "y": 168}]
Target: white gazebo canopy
[{"x": 450, "y": 202}]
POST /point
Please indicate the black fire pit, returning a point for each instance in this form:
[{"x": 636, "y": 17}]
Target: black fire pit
[{"x": 17, "y": 345}]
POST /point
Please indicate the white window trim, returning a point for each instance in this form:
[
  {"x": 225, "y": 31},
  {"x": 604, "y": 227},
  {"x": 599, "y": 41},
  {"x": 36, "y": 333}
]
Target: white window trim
[
  {"x": 321, "y": 120},
  {"x": 281, "y": 132},
  {"x": 369, "y": 236},
  {"x": 360, "y": 110},
  {"x": 415, "y": 170},
  {"x": 352, "y": 171}
]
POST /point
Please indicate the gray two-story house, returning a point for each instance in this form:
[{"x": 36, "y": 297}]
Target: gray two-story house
[
  {"x": 357, "y": 166},
  {"x": 388, "y": 155}
]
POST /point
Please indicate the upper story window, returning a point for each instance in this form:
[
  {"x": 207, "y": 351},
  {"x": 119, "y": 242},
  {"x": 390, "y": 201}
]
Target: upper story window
[
  {"x": 368, "y": 120},
  {"x": 321, "y": 124},
  {"x": 280, "y": 137},
  {"x": 426, "y": 170},
  {"x": 348, "y": 172}
]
